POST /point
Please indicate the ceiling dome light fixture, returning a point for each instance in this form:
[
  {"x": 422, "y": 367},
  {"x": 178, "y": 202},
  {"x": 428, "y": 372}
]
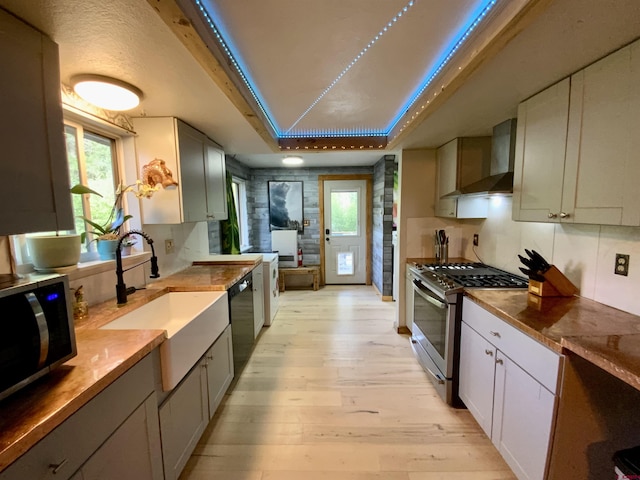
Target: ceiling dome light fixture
[
  {"x": 106, "y": 92},
  {"x": 292, "y": 160}
]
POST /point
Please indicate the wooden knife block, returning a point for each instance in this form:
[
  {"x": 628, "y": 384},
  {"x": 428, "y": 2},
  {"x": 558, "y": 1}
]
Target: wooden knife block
[{"x": 555, "y": 285}]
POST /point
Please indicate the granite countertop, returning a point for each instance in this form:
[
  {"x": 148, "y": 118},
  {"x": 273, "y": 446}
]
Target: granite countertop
[{"x": 30, "y": 414}]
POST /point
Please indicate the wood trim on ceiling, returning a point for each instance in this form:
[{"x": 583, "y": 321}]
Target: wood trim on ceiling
[
  {"x": 184, "y": 26},
  {"x": 513, "y": 19}
]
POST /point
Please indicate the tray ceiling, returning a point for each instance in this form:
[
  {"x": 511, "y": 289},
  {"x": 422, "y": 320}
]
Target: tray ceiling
[{"x": 336, "y": 68}]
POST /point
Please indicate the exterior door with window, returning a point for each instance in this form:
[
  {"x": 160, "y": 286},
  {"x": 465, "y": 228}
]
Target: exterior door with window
[{"x": 345, "y": 234}]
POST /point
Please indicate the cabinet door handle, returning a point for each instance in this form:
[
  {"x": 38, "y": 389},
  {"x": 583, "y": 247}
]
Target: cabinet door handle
[
  {"x": 552, "y": 215},
  {"x": 564, "y": 215},
  {"x": 56, "y": 467},
  {"x": 211, "y": 216},
  {"x": 489, "y": 352},
  {"x": 499, "y": 361},
  {"x": 209, "y": 357},
  {"x": 495, "y": 334}
]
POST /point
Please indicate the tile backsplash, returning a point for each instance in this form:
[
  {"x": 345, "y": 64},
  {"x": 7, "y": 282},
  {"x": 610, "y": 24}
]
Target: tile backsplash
[{"x": 584, "y": 253}]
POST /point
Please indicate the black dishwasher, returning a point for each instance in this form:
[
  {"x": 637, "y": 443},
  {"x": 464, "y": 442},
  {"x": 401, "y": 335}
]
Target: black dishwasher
[{"x": 241, "y": 318}]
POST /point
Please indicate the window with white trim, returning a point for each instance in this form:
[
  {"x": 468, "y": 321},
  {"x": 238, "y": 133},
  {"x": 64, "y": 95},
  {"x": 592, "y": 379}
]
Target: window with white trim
[
  {"x": 239, "y": 188},
  {"x": 92, "y": 162}
]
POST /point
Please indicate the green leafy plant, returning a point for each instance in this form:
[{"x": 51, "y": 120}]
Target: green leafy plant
[{"x": 109, "y": 229}]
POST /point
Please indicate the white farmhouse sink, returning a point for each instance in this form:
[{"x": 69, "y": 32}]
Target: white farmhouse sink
[{"x": 192, "y": 320}]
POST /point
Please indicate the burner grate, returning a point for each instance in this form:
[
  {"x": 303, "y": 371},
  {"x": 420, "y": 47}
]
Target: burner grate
[{"x": 476, "y": 275}]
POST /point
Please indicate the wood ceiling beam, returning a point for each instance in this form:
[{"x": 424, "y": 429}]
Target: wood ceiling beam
[
  {"x": 330, "y": 144},
  {"x": 513, "y": 18},
  {"x": 185, "y": 28}
]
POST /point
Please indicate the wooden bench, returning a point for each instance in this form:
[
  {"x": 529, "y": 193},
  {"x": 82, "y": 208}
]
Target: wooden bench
[{"x": 313, "y": 270}]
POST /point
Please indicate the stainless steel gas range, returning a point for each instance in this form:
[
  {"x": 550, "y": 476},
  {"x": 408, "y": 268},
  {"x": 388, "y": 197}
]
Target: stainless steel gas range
[{"x": 437, "y": 310}]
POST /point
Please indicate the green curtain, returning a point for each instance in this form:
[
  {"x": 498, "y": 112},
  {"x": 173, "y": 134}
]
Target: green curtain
[{"x": 229, "y": 230}]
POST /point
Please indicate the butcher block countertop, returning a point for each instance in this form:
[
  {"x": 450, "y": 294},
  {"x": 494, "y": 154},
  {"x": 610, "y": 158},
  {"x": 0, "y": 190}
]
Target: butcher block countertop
[
  {"x": 30, "y": 414},
  {"x": 603, "y": 335}
]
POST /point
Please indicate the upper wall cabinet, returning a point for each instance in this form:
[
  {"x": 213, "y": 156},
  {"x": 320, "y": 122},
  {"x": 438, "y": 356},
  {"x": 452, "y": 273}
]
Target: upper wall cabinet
[
  {"x": 577, "y": 144},
  {"x": 461, "y": 162},
  {"x": 35, "y": 195},
  {"x": 197, "y": 165}
]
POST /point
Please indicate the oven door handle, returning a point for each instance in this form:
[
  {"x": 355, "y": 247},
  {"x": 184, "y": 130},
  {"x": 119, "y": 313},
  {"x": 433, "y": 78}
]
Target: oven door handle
[{"x": 428, "y": 296}]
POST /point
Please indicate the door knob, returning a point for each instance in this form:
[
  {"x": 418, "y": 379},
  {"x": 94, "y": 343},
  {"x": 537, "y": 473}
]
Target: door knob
[{"x": 327, "y": 239}]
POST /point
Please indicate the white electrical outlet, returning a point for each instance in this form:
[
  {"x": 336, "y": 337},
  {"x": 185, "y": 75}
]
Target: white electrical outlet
[{"x": 169, "y": 246}]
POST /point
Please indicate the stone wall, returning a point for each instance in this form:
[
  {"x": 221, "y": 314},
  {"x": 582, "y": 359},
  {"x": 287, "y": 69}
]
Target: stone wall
[
  {"x": 382, "y": 249},
  {"x": 309, "y": 241}
]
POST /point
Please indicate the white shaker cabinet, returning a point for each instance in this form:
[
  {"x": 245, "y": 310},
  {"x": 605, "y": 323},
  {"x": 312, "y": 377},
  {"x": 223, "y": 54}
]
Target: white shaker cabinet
[
  {"x": 509, "y": 382},
  {"x": 477, "y": 371},
  {"x": 34, "y": 159},
  {"x": 577, "y": 144},
  {"x": 196, "y": 164},
  {"x": 461, "y": 162},
  {"x": 447, "y": 162},
  {"x": 523, "y": 418},
  {"x": 541, "y": 139},
  {"x": 602, "y": 170}
]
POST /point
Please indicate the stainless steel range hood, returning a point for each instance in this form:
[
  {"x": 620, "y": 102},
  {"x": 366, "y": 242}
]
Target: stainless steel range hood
[{"x": 500, "y": 180}]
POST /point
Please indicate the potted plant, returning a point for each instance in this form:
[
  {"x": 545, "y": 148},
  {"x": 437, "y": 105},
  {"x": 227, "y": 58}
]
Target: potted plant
[
  {"x": 61, "y": 251},
  {"x": 57, "y": 252},
  {"x": 107, "y": 232}
]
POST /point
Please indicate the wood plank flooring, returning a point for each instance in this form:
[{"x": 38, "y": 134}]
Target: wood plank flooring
[{"x": 332, "y": 392}]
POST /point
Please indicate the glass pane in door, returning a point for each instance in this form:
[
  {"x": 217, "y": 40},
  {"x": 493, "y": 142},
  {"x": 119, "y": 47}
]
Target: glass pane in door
[{"x": 344, "y": 213}]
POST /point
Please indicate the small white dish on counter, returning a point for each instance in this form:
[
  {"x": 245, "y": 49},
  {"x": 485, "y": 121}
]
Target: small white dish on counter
[{"x": 192, "y": 321}]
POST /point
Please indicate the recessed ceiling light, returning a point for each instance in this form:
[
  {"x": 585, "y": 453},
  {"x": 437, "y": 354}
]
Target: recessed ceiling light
[
  {"x": 106, "y": 92},
  {"x": 292, "y": 160}
]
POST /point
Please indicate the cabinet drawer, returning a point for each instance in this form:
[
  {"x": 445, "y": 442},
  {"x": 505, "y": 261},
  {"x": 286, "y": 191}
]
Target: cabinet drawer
[
  {"x": 536, "y": 359},
  {"x": 71, "y": 443}
]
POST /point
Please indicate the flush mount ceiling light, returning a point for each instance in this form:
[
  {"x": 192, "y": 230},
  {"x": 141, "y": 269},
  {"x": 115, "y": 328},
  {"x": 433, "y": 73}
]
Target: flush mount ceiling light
[
  {"x": 292, "y": 161},
  {"x": 106, "y": 92}
]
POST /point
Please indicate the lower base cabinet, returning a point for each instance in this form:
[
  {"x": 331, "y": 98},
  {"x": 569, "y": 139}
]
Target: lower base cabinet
[
  {"x": 524, "y": 413},
  {"x": 186, "y": 412},
  {"x": 508, "y": 381},
  {"x": 115, "y": 435},
  {"x": 133, "y": 451}
]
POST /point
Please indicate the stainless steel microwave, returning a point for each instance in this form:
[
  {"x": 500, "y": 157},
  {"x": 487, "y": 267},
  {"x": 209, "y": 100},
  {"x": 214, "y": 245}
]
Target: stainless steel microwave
[{"x": 36, "y": 330}]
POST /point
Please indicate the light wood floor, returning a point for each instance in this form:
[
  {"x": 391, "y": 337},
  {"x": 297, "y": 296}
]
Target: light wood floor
[{"x": 332, "y": 392}]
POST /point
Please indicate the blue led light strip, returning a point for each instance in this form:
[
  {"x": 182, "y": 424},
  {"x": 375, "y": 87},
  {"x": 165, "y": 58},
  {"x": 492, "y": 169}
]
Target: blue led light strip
[
  {"x": 236, "y": 65},
  {"x": 449, "y": 55},
  {"x": 353, "y": 62},
  {"x": 349, "y": 132}
]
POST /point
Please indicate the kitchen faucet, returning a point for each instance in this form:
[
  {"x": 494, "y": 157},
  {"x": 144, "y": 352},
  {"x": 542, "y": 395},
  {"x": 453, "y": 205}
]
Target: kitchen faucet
[{"x": 121, "y": 288}]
